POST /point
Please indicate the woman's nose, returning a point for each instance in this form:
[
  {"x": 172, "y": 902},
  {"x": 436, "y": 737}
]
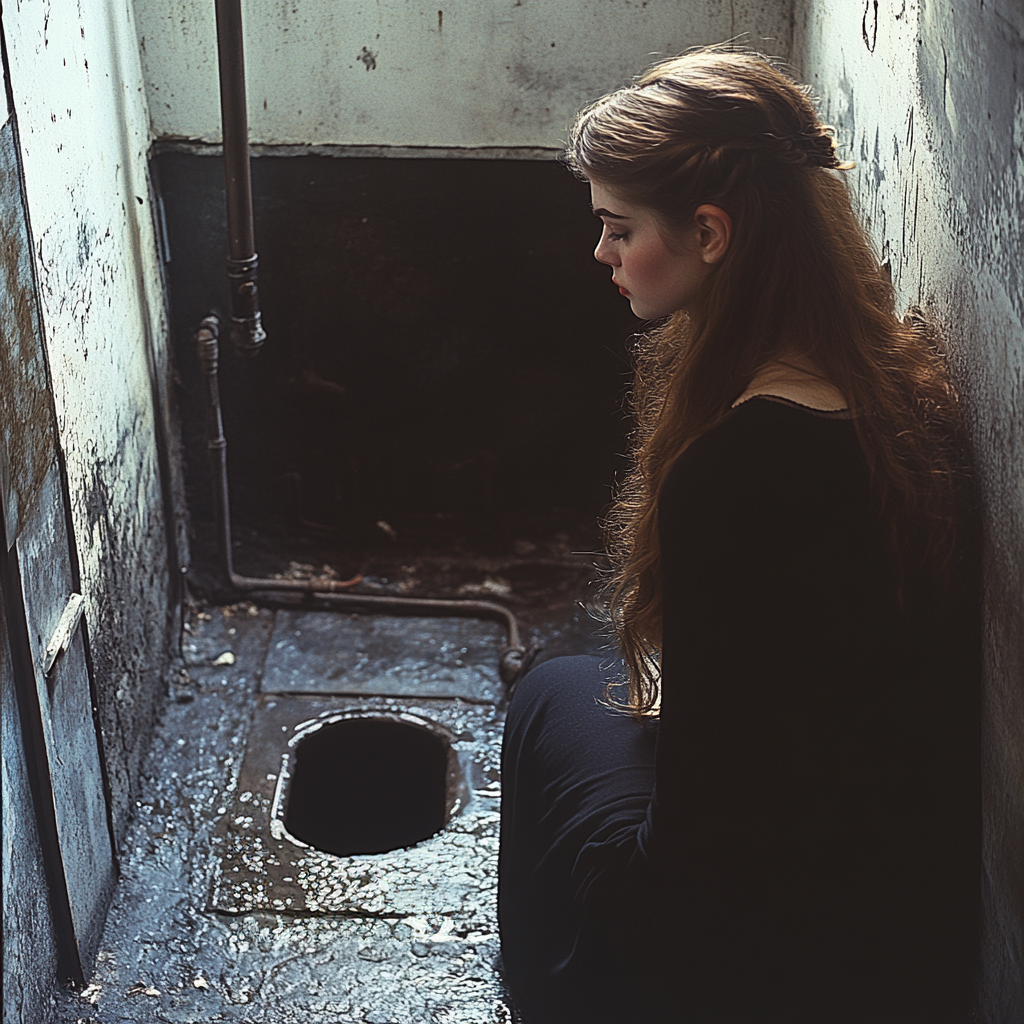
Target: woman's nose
[{"x": 605, "y": 254}]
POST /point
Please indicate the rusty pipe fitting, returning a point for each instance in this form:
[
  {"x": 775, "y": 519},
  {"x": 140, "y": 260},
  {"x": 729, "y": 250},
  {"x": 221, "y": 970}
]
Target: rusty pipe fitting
[{"x": 247, "y": 334}]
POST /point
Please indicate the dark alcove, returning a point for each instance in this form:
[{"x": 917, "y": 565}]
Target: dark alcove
[{"x": 443, "y": 354}]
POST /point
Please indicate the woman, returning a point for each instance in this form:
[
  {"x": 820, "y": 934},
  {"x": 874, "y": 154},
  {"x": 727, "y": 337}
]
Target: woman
[{"x": 783, "y": 825}]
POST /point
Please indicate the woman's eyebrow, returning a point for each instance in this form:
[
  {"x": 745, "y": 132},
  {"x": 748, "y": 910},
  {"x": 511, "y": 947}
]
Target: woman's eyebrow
[{"x": 602, "y": 212}]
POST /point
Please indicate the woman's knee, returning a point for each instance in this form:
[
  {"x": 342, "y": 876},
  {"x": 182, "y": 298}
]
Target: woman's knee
[{"x": 557, "y": 678}]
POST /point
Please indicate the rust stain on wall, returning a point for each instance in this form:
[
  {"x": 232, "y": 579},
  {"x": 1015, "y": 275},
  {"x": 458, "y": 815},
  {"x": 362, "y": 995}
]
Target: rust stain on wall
[{"x": 26, "y": 403}]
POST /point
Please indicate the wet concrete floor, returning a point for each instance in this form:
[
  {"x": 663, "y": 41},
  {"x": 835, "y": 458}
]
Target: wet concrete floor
[{"x": 221, "y": 916}]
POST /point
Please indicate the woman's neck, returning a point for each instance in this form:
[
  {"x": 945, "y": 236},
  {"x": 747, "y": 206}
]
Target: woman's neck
[{"x": 796, "y": 379}]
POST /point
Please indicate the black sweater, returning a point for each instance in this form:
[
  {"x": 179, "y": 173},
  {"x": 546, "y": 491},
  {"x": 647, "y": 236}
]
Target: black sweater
[{"x": 815, "y": 828}]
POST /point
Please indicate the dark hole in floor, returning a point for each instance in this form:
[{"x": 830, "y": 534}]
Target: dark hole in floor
[{"x": 366, "y": 785}]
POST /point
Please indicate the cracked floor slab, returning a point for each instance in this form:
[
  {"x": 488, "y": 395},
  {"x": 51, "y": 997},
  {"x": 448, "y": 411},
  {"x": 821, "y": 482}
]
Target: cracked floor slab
[{"x": 331, "y": 652}]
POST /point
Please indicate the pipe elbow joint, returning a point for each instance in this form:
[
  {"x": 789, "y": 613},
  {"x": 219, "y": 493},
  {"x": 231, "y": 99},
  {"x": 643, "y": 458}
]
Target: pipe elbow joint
[{"x": 511, "y": 664}]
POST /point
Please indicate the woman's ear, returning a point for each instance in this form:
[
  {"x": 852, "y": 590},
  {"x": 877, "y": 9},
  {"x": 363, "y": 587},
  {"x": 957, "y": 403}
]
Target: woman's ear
[{"x": 714, "y": 232}]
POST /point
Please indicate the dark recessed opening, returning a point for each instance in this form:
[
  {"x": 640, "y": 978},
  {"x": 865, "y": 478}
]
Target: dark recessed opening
[
  {"x": 411, "y": 375},
  {"x": 367, "y": 785}
]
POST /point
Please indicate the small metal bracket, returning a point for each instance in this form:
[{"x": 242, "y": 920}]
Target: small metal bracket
[{"x": 66, "y": 626}]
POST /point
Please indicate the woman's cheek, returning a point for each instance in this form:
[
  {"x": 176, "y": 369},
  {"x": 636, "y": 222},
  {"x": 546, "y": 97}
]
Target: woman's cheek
[{"x": 645, "y": 268}]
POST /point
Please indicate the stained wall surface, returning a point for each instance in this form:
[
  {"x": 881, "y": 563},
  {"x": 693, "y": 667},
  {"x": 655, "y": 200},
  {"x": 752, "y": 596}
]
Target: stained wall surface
[
  {"x": 463, "y": 73},
  {"x": 928, "y": 98},
  {"x": 80, "y": 104}
]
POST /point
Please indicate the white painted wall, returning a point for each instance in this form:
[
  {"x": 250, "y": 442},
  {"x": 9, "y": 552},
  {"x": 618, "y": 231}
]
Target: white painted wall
[
  {"x": 84, "y": 131},
  {"x": 451, "y": 73},
  {"x": 929, "y": 100}
]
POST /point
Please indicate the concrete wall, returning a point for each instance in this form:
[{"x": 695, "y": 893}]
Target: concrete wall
[
  {"x": 456, "y": 73},
  {"x": 80, "y": 106},
  {"x": 928, "y": 98}
]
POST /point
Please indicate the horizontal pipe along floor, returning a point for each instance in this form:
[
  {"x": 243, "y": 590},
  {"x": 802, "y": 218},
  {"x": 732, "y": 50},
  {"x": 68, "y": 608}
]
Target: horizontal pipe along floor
[{"x": 224, "y": 914}]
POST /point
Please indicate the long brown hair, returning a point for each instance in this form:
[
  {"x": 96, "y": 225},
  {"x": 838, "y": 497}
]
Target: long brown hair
[{"x": 800, "y": 277}]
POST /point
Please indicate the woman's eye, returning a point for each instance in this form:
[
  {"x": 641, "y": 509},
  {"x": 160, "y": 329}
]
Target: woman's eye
[{"x": 615, "y": 237}]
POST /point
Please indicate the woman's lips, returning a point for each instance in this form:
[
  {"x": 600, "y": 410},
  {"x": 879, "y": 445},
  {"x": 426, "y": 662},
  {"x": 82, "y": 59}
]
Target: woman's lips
[{"x": 625, "y": 291}]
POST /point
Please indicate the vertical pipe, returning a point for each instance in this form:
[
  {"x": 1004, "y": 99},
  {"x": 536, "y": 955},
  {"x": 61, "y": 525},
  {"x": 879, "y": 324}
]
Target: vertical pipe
[
  {"x": 246, "y": 327},
  {"x": 216, "y": 444}
]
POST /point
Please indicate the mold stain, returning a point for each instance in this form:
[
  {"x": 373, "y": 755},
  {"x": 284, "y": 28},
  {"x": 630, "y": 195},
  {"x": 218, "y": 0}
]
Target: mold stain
[
  {"x": 367, "y": 58},
  {"x": 869, "y": 24},
  {"x": 86, "y": 242},
  {"x": 26, "y": 406}
]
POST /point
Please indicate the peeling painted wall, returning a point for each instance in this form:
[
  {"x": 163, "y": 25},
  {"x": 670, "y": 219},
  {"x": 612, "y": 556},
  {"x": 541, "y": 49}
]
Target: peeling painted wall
[
  {"x": 928, "y": 98},
  {"x": 80, "y": 104},
  {"x": 457, "y": 73}
]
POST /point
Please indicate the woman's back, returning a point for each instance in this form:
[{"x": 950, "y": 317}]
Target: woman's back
[{"x": 816, "y": 816}]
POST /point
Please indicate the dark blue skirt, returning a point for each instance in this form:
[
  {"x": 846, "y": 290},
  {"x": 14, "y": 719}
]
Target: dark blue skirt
[{"x": 573, "y": 896}]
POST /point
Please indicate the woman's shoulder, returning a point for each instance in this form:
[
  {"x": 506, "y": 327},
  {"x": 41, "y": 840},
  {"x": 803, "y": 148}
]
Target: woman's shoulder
[
  {"x": 766, "y": 449},
  {"x": 771, "y": 430}
]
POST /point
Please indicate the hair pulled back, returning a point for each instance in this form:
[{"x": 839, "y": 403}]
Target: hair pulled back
[{"x": 799, "y": 279}]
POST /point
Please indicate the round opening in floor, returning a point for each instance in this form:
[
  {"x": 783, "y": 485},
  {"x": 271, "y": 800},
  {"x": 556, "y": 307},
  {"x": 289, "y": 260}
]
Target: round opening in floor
[{"x": 369, "y": 785}]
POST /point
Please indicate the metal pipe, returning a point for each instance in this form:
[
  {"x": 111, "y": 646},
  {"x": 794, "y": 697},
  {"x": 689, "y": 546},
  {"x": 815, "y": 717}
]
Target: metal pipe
[
  {"x": 247, "y": 332},
  {"x": 332, "y": 591}
]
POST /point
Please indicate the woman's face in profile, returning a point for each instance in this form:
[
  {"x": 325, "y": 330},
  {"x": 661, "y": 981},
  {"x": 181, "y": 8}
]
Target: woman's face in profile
[{"x": 656, "y": 279}]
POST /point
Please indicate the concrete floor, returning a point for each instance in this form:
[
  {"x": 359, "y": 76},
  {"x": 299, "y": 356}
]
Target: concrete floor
[{"x": 218, "y": 916}]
